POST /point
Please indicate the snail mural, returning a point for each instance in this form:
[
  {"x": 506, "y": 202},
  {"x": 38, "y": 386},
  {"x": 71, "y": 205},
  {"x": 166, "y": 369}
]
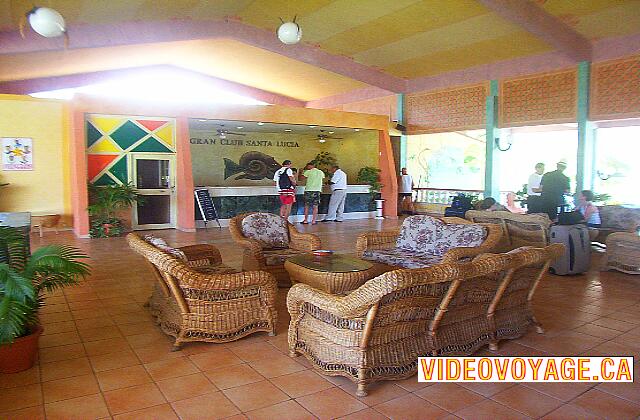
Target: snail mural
[{"x": 251, "y": 165}]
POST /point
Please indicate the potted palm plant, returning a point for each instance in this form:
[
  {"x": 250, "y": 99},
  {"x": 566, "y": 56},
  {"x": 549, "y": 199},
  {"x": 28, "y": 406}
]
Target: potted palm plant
[
  {"x": 24, "y": 279},
  {"x": 371, "y": 176},
  {"x": 106, "y": 201}
]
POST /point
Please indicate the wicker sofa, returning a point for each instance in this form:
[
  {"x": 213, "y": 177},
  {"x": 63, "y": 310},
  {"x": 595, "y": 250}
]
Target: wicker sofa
[
  {"x": 268, "y": 240},
  {"x": 197, "y": 298},
  {"x": 617, "y": 219},
  {"x": 378, "y": 331},
  {"x": 423, "y": 241},
  {"x": 518, "y": 229}
]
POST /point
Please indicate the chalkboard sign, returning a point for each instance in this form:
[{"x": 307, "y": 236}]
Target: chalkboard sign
[{"x": 207, "y": 209}]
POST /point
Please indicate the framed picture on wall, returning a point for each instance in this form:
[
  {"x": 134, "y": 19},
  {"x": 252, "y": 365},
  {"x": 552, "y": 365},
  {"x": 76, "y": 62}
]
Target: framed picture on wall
[{"x": 17, "y": 154}]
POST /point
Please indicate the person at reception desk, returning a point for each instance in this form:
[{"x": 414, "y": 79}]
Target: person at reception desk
[
  {"x": 286, "y": 184},
  {"x": 338, "y": 185},
  {"x": 312, "y": 190}
]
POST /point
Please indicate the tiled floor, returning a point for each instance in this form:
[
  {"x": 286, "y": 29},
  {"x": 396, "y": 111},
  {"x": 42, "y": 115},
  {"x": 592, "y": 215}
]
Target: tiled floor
[{"x": 101, "y": 356}]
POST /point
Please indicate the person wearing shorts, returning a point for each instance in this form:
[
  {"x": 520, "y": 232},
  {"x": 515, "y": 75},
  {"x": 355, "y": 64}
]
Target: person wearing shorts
[
  {"x": 312, "y": 190},
  {"x": 285, "y": 182}
]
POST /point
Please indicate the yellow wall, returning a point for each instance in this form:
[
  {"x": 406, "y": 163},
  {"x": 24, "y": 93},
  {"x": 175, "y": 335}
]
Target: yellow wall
[
  {"x": 356, "y": 150},
  {"x": 45, "y": 189}
]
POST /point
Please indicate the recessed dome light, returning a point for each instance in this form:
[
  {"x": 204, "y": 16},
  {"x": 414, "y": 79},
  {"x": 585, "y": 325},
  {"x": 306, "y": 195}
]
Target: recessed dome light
[
  {"x": 288, "y": 130},
  {"x": 331, "y": 132},
  {"x": 239, "y": 127},
  {"x": 312, "y": 126},
  {"x": 260, "y": 123}
]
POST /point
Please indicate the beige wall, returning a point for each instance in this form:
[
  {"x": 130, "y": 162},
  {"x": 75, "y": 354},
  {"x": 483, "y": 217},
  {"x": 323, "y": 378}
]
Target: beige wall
[
  {"x": 353, "y": 152},
  {"x": 45, "y": 189}
]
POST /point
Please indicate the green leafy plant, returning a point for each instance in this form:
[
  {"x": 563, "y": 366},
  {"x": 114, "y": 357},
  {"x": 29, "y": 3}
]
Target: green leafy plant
[
  {"x": 324, "y": 161},
  {"x": 522, "y": 194},
  {"x": 370, "y": 176},
  {"x": 601, "y": 198},
  {"x": 106, "y": 201},
  {"x": 24, "y": 279}
]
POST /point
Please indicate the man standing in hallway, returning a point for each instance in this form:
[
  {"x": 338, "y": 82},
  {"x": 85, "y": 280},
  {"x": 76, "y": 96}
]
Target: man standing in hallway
[
  {"x": 405, "y": 190},
  {"x": 554, "y": 186},
  {"x": 534, "y": 201},
  {"x": 338, "y": 195},
  {"x": 312, "y": 190}
]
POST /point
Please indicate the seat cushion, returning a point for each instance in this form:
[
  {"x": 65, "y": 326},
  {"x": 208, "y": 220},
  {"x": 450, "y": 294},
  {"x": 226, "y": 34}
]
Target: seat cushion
[
  {"x": 427, "y": 235},
  {"x": 269, "y": 229},
  {"x": 621, "y": 218},
  {"x": 214, "y": 269},
  {"x": 399, "y": 257},
  {"x": 278, "y": 256}
]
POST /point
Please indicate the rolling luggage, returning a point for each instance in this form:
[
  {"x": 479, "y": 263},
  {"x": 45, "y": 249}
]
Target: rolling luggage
[
  {"x": 459, "y": 206},
  {"x": 577, "y": 253}
]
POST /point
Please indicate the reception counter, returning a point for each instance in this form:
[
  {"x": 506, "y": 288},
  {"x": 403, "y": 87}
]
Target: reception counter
[{"x": 230, "y": 201}]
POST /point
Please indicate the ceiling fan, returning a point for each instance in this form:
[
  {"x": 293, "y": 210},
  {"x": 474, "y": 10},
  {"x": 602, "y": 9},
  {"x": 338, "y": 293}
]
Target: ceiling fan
[
  {"x": 324, "y": 136},
  {"x": 223, "y": 132}
]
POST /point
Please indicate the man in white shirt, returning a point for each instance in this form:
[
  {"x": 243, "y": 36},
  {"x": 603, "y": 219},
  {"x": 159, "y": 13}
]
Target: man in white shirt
[
  {"x": 405, "y": 190},
  {"x": 338, "y": 184},
  {"x": 534, "y": 201},
  {"x": 286, "y": 185}
]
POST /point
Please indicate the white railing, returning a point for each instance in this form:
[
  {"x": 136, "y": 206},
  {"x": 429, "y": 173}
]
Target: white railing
[{"x": 444, "y": 195}]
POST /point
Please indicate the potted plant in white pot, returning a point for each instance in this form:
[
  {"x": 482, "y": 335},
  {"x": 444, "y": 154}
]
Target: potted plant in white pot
[
  {"x": 371, "y": 176},
  {"x": 24, "y": 279}
]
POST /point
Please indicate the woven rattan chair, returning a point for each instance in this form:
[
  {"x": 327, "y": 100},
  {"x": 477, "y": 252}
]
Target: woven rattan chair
[
  {"x": 259, "y": 255},
  {"x": 519, "y": 229},
  {"x": 451, "y": 238},
  {"x": 623, "y": 252},
  {"x": 378, "y": 331},
  {"x": 198, "y": 299}
]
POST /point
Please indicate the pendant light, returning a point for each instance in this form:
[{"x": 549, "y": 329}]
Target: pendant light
[
  {"x": 46, "y": 22},
  {"x": 289, "y": 32}
]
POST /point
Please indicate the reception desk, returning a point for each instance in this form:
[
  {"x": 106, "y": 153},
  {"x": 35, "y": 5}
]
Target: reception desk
[{"x": 231, "y": 201}]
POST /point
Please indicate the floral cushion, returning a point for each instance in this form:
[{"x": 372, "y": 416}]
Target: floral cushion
[
  {"x": 278, "y": 256},
  {"x": 402, "y": 258},
  {"x": 214, "y": 269},
  {"x": 269, "y": 229},
  {"x": 620, "y": 217},
  {"x": 424, "y": 234},
  {"x": 162, "y": 245}
]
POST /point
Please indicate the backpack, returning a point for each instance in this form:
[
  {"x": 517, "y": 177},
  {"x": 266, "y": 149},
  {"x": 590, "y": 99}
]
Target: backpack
[{"x": 284, "y": 182}]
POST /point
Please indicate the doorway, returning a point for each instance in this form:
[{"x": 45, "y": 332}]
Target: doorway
[{"x": 153, "y": 175}]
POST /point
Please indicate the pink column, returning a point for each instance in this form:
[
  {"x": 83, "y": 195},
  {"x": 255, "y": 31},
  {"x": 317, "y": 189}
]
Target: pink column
[
  {"x": 184, "y": 177},
  {"x": 78, "y": 162},
  {"x": 388, "y": 176}
]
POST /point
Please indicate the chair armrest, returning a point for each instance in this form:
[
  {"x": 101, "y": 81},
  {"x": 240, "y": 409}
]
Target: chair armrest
[
  {"x": 202, "y": 252},
  {"x": 234, "y": 281},
  {"x": 303, "y": 241},
  {"x": 376, "y": 240},
  {"x": 333, "y": 304}
]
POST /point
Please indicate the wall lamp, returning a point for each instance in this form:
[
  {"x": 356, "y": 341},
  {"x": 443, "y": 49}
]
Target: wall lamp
[{"x": 499, "y": 146}]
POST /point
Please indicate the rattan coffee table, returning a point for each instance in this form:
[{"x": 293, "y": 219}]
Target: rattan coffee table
[{"x": 336, "y": 273}]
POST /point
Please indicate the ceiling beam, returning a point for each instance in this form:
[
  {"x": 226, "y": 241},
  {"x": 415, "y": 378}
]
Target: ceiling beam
[
  {"x": 24, "y": 87},
  {"x": 535, "y": 20},
  {"x": 130, "y": 33}
]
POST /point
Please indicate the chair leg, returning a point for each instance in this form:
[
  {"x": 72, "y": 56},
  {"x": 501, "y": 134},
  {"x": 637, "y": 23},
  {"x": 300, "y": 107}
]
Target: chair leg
[
  {"x": 362, "y": 390},
  {"x": 493, "y": 345},
  {"x": 177, "y": 346}
]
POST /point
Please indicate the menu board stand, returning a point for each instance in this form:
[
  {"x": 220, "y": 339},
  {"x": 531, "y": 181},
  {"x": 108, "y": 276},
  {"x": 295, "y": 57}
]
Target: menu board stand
[{"x": 206, "y": 206}]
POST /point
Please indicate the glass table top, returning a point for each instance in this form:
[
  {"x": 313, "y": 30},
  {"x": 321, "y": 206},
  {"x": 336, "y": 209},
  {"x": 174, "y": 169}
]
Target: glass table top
[{"x": 334, "y": 263}]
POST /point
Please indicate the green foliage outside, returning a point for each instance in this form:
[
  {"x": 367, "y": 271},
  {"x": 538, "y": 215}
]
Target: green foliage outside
[
  {"x": 105, "y": 202},
  {"x": 370, "y": 176}
]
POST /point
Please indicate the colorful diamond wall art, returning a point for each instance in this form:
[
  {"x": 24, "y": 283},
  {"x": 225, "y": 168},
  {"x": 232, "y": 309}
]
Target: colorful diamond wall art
[
  {"x": 151, "y": 125},
  {"x": 106, "y": 124},
  {"x": 128, "y": 134},
  {"x": 96, "y": 163}
]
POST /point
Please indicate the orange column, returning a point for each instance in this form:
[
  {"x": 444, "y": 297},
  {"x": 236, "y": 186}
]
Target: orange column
[
  {"x": 78, "y": 163},
  {"x": 184, "y": 177},
  {"x": 388, "y": 176}
]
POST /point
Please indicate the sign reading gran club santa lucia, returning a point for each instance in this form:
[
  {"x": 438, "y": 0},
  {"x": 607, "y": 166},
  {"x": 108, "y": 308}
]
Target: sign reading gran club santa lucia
[{"x": 17, "y": 154}]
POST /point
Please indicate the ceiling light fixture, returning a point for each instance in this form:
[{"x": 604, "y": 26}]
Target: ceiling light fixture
[
  {"x": 289, "y": 32},
  {"x": 312, "y": 126},
  {"x": 357, "y": 129},
  {"x": 322, "y": 140},
  {"x": 260, "y": 123},
  {"x": 45, "y": 21},
  {"x": 240, "y": 127},
  {"x": 202, "y": 120},
  {"x": 331, "y": 132},
  {"x": 288, "y": 130}
]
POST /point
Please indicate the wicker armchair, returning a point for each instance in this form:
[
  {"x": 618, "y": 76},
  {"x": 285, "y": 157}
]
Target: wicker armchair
[
  {"x": 270, "y": 244},
  {"x": 423, "y": 241},
  {"x": 623, "y": 252},
  {"x": 519, "y": 229},
  {"x": 196, "y": 298}
]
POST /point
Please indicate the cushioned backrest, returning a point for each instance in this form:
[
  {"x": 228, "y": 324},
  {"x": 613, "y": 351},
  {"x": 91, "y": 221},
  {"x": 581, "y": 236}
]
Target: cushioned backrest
[
  {"x": 163, "y": 246},
  {"x": 433, "y": 236},
  {"x": 269, "y": 229},
  {"x": 619, "y": 217}
]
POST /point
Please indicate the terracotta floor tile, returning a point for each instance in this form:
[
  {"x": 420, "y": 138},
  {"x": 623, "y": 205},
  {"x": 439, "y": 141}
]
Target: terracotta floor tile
[
  {"x": 628, "y": 391},
  {"x": 232, "y": 376},
  {"x": 59, "y": 327},
  {"x": 571, "y": 411},
  {"x": 84, "y": 324},
  {"x": 87, "y": 407},
  {"x": 26, "y": 377},
  {"x": 88, "y": 313},
  {"x": 133, "y": 398},
  {"x": 50, "y": 308},
  {"x": 205, "y": 407},
  {"x": 449, "y": 396},
  {"x": 614, "y": 324},
  {"x": 109, "y": 361},
  {"x": 331, "y": 403},
  {"x": 215, "y": 359},
  {"x": 289, "y": 410},
  {"x": 122, "y": 377},
  {"x": 256, "y": 395},
  {"x": 65, "y": 369},
  {"x": 147, "y": 339},
  {"x": 137, "y": 328},
  {"x": 60, "y": 339},
  {"x": 607, "y": 405},
  {"x": 55, "y": 354},
  {"x": 378, "y": 392},
  {"x": 170, "y": 368},
  {"x": 301, "y": 383},
  {"x": 31, "y": 413},
  {"x": 410, "y": 407},
  {"x": 99, "y": 333},
  {"x": 20, "y": 397},
  {"x": 598, "y": 331},
  {"x": 64, "y": 389},
  {"x": 157, "y": 352},
  {"x": 411, "y": 384},
  {"x": 366, "y": 414},
  {"x": 255, "y": 351},
  {"x": 158, "y": 412},
  {"x": 184, "y": 387},
  {"x": 489, "y": 410},
  {"x": 276, "y": 366},
  {"x": 527, "y": 401},
  {"x": 562, "y": 391},
  {"x": 486, "y": 389},
  {"x": 55, "y": 317},
  {"x": 115, "y": 345}
]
